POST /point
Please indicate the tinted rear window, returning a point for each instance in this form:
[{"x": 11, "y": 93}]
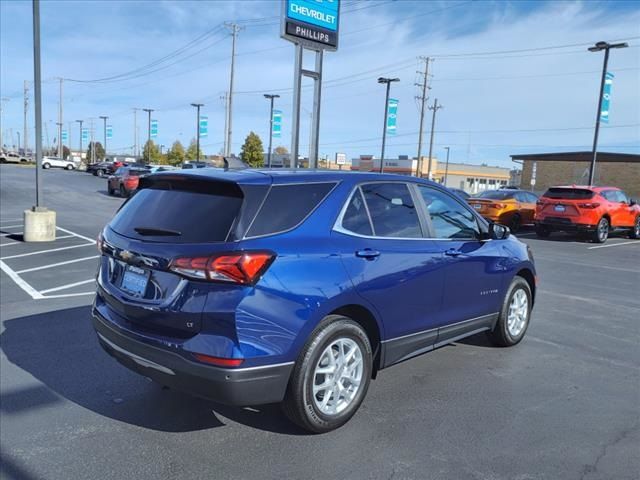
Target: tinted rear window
[
  {"x": 496, "y": 195},
  {"x": 198, "y": 217},
  {"x": 286, "y": 206},
  {"x": 569, "y": 193}
]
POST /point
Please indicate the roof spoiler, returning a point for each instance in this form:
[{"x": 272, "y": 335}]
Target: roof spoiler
[{"x": 233, "y": 163}]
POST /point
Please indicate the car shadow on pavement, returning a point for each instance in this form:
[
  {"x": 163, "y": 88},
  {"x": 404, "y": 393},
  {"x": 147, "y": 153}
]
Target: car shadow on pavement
[{"x": 60, "y": 350}]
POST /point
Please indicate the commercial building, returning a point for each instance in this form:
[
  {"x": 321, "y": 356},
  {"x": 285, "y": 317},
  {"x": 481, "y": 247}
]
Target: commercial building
[
  {"x": 543, "y": 170},
  {"x": 468, "y": 177}
]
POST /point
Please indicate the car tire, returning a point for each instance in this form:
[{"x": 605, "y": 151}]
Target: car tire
[
  {"x": 100, "y": 172},
  {"x": 123, "y": 191},
  {"x": 515, "y": 314},
  {"x": 542, "y": 231},
  {"x": 69, "y": 167},
  {"x": 46, "y": 166},
  {"x": 515, "y": 223},
  {"x": 110, "y": 190},
  {"x": 601, "y": 233},
  {"x": 635, "y": 231},
  {"x": 322, "y": 410}
]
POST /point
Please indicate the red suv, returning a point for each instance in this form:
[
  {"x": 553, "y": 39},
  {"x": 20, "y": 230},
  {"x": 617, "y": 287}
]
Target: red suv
[
  {"x": 125, "y": 180},
  {"x": 592, "y": 210}
]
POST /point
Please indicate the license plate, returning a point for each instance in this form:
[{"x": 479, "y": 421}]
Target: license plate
[
  {"x": 477, "y": 206},
  {"x": 134, "y": 281},
  {"x": 559, "y": 208}
]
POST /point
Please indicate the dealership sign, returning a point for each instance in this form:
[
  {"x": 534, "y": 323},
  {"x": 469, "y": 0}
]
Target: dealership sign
[
  {"x": 312, "y": 23},
  {"x": 341, "y": 159},
  {"x": 277, "y": 123}
]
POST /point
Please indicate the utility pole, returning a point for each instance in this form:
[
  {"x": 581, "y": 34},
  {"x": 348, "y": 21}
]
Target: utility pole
[
  {"x": 104, "y": 127},
  {"x": 446, "y": 169},
  {"x": 423, "y": 101},
  {"x": 37, "y": 94},
  {"x": 135, "y": 133},
  {"x": 60, "y": 121},
  {"x": 197, "y": 105},
  {"x": 18, "y": 133},
  {"x": 386, "y": 112},
  {"x": 80, "y": 122},
  {"x": 596, "y": 48},
  {"x": 234, "y": 33},
  {"x": 3, "y": 100},
  {"x": 435, "y": 108},
  {"x": 148, "y": 110},
  {"x": 25, "y": 131},
  {"x": 226, "y": 117},
  {"x": 270, "y": 98}
]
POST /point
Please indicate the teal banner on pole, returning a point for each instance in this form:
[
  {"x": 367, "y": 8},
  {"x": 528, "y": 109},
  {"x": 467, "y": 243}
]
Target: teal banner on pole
[
  {"x": 392, "y": 114},
  {"x": 85, "y": 134},
  {"x": 154, "y": 128},
  {"x": 277, "y": 123},
  {"x": 204, "y": 125},
  {"x": 606, "y": 98},
  {"x": 109, "y": 132},
  {"x": 65, "y": 135}
]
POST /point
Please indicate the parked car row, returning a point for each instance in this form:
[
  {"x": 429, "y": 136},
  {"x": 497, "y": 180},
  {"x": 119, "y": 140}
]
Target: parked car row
[
  {"x": 594, "y": 212},
  {"x": 124, "y": 180}
]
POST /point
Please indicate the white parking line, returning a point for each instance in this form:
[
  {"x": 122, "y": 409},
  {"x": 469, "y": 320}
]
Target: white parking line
[
  {"x": 22, "y": 243},
  {"x": 615, "y": 244},
  {"x": 9, "y": 234},
  {"x": 21, "y": 283},
  {"x": 68, "y": 285},
  {"x": 51, "y": 265},
  {"x": 10, "y": 226},
  {"x": 47, "y": 251},
  {"x": 77, "y": 235},
  {"x": 65, "y": 295}
]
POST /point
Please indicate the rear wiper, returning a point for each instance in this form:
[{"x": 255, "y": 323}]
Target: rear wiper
[{"x": 156, "y": 231}]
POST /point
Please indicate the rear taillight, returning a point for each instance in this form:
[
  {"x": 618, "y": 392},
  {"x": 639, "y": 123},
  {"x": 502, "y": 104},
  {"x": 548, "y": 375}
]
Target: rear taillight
[
  {"x": 497, "y": 205},
  {"x": 219, "y": 361},
  {"x": 540, "y": 203},
  {"x": 590, "y": 205},
  {"x": 240, "y": 267}
]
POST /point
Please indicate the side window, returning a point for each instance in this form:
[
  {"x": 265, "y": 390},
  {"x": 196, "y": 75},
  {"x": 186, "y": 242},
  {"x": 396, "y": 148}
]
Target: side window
[
  {"x": 356, "y": 218},
  {"x": 286, "y": 206},
  {"x": 392, "y": 210},
  {"x": 532, "y": 198},
  {"x": 449, "y": 218},
  {"x": 521, "y": 197},
  {"x": 621, "y": 197}
]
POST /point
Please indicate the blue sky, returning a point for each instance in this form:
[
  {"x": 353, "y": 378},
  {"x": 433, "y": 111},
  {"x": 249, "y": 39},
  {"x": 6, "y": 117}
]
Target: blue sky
[{"x": 495, "y": 104}]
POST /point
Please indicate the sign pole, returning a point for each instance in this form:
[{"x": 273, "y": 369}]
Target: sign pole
[
  {"x": 295, "y": 120},
  {"x": 315, "y": 122}
]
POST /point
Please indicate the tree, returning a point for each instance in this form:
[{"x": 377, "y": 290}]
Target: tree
[
  {"x": 252, "y": 151},
  {"x": 192, "y": 151},
  {"x": 66, "y": 153},
  {"x": 280, "y": 150},
  {"x": 176, "y": 153},
  {"x": 151, "y": 152},
  {"x": 100, "y": 153}
]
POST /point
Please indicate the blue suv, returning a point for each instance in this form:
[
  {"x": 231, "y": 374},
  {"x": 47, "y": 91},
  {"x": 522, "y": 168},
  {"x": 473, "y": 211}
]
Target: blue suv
[{"x": 260, "y": 286}]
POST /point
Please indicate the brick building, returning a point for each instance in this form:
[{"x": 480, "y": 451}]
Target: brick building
[{"x": 620, "y": 170}]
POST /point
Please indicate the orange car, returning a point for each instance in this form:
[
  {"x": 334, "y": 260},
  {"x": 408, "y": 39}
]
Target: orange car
[
  {"x": 592, "y": 210},
  {"x": 512, "y": 208}
]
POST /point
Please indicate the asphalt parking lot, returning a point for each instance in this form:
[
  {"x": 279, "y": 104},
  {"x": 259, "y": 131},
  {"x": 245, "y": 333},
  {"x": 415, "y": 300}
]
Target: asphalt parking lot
[{"x": 564, "y": 404}]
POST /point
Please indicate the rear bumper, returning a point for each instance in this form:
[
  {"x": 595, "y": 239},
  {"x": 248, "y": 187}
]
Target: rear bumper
[
  {"x": 230, "y": 386},
  {"x": 564, "y": 224}
]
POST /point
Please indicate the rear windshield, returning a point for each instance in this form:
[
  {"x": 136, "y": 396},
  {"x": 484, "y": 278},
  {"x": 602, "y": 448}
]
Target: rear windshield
[
  {"x": 286, "y": 206},
  {"x": 178, "y": 215},
  {"x": 495, "y": 195},
  {"x": 569, "y": 193}
]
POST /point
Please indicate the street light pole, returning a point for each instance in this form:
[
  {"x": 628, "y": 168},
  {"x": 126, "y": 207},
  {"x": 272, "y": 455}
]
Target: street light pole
[
  {"x": 446, "y": 169},
  {"x": 197, "y": 105},
  {"x": 148, "y": 110},
  {"x": 80, "y": 122},
  {"x": 596, "y": 48},
  {"x": 104, "y": 131},
  {"x": 386, "y": 112},
  {"x": 270, "y": 97}
]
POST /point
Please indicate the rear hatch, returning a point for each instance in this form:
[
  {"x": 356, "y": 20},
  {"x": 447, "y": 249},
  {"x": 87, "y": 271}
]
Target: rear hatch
[
  {"x": 564, "y": 202},
  {"x": 491, "y": 202},
  {"x": 173, "y": 216}
]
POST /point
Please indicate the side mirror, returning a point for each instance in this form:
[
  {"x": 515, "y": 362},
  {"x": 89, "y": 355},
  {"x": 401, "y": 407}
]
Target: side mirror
[
  {"x": 498, "y": 232},
  {"x": 632, "y": 202}
]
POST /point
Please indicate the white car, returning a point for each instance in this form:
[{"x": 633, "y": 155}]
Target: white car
[
  {"x": 13, "y": 157},
  {"x": 49, "y": 162}
]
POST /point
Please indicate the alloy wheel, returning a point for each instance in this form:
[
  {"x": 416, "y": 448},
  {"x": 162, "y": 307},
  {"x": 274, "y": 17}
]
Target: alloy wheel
[
  {"x": 337, "y": 376},
  {"x": 603, "y": 229},
  {"x": 518, "y": 313}
]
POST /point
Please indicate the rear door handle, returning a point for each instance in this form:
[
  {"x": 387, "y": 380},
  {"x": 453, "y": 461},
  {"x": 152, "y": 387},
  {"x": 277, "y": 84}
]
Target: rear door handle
[
  {"x": 368, "y": 254},
  {"x": 452, "y": 252}
]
